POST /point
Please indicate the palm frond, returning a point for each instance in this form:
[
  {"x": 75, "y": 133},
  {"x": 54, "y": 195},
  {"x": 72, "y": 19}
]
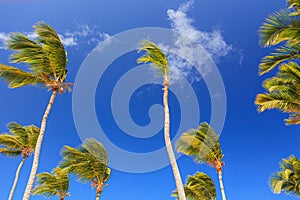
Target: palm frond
[
  {"x": 10, "y": 141},
  {"x": 283, "y": 92},
  {"x": 281, "y": 54},
  {"x": 280, "y": 27},
  {"x": 53, "y": 48},
  {"x": 88, "y": 162},
  {"x": 29, "y": 52},
  {"x": 202, "y": 144},
  {"x": 10, "y": 152},
  {"x": 51, "y": 184},
  {"x": 18, "y": 78},
  {"x": 294, "y": 4},
  {"x": 288, "y": 179},
  {"x": 153, "y": 54},
  {"x": 199, "y": 187}
]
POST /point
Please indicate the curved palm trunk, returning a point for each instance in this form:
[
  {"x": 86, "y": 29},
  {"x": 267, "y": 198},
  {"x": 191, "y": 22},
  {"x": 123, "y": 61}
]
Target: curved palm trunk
[
  {"x": 221, "y": 185},
  {"x": 16, "y": 179},
  {"x": 37, "y": 150},
  {"x": 62, "y": 198},
  {"x": 178, "y": 181}
]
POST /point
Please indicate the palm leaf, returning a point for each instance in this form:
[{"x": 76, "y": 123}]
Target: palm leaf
[
  {"x": 53, "y": 48},
  {"x": 29, "y": 52},
  {"x": 288, "y": 179},
  {"x": 199, "y": 187},
  {"x": 18, "y": 78},
  {"x": 282, "y": 54},
  {"x": 51, "y": 184},
  {"x": 10, "y": 141},
  {"x": 280, "y": 27},
  {"x": 153, "y": 54},
  {"x": 10, "y": 152},
  {"x": 295, "y": 4},
  {"x": 88, "y": 162},
  {"x": 202, "y": 144}
]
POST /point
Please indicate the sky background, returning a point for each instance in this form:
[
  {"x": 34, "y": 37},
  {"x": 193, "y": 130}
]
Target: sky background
[{"x": 253, "y": 143}]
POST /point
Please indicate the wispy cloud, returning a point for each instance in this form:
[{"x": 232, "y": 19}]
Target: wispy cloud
[
  {"x": 3, "y": 38},
  {"x": 85, "y": 34},
  {"x": 197, "y": 46}
]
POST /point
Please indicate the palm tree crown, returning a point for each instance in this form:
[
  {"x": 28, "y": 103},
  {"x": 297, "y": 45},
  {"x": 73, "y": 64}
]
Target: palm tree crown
[
  {"x": 51, "y": 184},
  {"x": 199, "y": 187},
  {"x": 20, "y": 140},
  {"x": 89, "y": 162},
  {"x": 45, "y": 56},
  {"x": 281, "y": 27},
  {"x": 202, "y": 144},
  {"x": 283, "y": 92},
  {"x": 153, "y": 54},
  {"x": 288, "y": 179}
]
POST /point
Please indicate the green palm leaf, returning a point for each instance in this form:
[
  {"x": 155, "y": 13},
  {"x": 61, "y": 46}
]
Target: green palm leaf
[
  {"x": 202, "y": 144},
  {"x": 18, "y": 78},
  {"x": 282, "y": 54},
  {"x": 153, "y": 54},
  {"x": 280, "y": 27},
  {"x": 51, "y": 184},
  {"x": 88, "y": 162},
  {"x": 283, "y": 93},
  {"x": 288, "y": 178},
  {"x": 54, "y": 48},
  {"x": 20, "y": 140},
  {"x": 199, "y": 187}
]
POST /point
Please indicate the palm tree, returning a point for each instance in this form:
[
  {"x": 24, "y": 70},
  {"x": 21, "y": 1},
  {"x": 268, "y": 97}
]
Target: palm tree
[
  {"x": 199, "y": 187},
  {"x": 281, "y": 27},
  {"x": 20, "y": 141},
  {"x": 283, "y": 92},
  {"x": 204, "y": 146},
  {"x": 46, "y": 58},
  {"x": 51, "y": 184},
  {"x": 155, "y": 56},
  {"x": 89, "y": 162},
  {"x": 288, "y": 179}
]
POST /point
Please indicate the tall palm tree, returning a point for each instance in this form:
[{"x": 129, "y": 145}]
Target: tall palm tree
[
  {"x": 283, "y": 92},
  {"x": 51, "y": 184},
  {"x": 20, "y": 141},
  {"x": 155, "y": 56},
  {"x": 203, "y": 145},
  {"x": 288, "y": 179},
  {"x": 199, "y": 187},
  {"x": 89, "y": 162},
  {"x": 46, "y": 59},
  {"x": 282, "y": 28}
]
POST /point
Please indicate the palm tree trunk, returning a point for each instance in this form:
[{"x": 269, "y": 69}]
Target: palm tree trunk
[
  {"x": 37, "y": 150},
  {"x": 169, "y": 147},
  {"x": 16, "y": 179},
  {"x": 98, "y": 196},
  {"x": 221, "y": 185}
]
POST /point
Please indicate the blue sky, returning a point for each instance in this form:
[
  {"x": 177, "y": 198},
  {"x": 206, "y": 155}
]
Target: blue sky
[{"x": 253, "y": 143}]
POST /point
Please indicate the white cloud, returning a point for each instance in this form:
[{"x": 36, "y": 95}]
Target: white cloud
[
  {"x": 3, "y": 38},
  {"x": 188, "y": 43},
  {"x": 68, "y": 41},
  {"x": 84, "y": 34}
]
